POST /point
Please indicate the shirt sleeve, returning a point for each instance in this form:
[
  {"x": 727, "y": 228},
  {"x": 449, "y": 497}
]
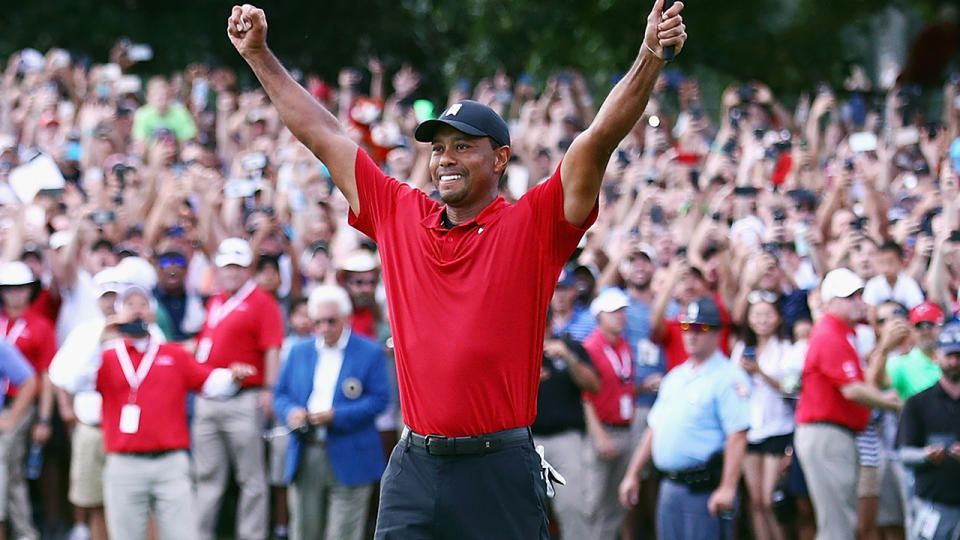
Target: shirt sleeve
[
  {"x": 733, "y": 403},
  {"x": 839, "y": 363},
  {"x": 195, "y": 374},
  {"x": 47, "y": 345},
  {"x": 910, "y": 431},
  {"x": 377, "y": 194},
  {"x": 545, "y": 201},
  {"x": 75, "y": 366},
  {"x": 13, "y": 366}
]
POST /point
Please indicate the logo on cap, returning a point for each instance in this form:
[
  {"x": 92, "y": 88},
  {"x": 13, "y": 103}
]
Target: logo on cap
[
  {"x": 693, "y": 310},
  {"x": 453, "y": 110}
]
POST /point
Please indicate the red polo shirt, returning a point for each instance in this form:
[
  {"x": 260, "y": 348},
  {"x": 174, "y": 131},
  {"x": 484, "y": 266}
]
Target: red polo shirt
[
  {"x": 831, "y": 363},
  {"x": 161, "y": 397},
  {"x": 468, "y": 304},
  {"x": 34, "y": 338},
  {"x": 245, "y": 334},
  {"x": 614, "y": 364}
]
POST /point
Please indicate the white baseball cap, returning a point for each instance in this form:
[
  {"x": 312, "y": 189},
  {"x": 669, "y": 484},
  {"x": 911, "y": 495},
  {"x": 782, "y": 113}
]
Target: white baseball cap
[
  {"x": 233, "y": 251},
  {"x": 15, "y": 273},
  {"x": 609, "y": 300},
  {"x": 110, "y": 279},
  {"x": 360, "y": 260},
  {"x": 839, "y": 283}
]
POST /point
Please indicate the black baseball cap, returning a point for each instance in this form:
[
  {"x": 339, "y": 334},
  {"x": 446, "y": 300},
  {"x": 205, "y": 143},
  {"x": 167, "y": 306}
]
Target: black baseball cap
[
  {"x": 703, "y": 310},
  {"x": 470, "y": 117}
]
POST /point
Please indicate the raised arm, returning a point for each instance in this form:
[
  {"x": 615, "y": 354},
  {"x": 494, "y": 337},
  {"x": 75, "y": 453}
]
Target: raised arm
[
  {"x": 306, "y": 118},
  {"x": 586, "y": 160}
]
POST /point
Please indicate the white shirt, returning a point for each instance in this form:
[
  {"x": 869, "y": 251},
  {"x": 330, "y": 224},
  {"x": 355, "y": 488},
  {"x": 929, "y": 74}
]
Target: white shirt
[
  {"x": 325, "y": 375},
  {"x": 770, "y": 414},
  {"x": 905, "y": 290}
]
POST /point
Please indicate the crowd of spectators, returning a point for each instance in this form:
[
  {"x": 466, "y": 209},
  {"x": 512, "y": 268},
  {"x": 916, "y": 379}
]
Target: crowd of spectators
[{"x": 753, "y": 206}]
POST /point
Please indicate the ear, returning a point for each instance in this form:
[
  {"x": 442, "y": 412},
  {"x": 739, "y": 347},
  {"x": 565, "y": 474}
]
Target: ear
[{"x": 501, "y": 158}]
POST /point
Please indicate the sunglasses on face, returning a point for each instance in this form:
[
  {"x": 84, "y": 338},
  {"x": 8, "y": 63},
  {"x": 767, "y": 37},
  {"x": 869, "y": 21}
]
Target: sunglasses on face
[
  {"x": 172, "y": 261},
  {"x": 924, "y": 325},
  {"x": 362, "y": 282},
  {"x": 756, "y": 297},
  {"x": 695, "y": 327},
  {"x": 330, "y": 321}
]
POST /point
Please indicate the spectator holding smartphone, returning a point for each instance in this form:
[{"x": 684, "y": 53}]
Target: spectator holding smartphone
[{"x": 764, "y": 355}]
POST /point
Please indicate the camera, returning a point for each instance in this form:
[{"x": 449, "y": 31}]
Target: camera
[
  {"x": 746, "y": 92},
  {"x": 254, "y": 162},
  {"x": 779, "y": 214},
  {"x": 103, "y": 217}
]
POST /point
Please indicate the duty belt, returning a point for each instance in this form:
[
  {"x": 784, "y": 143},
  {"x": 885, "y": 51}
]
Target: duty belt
[{"x": 438, "y": 445}]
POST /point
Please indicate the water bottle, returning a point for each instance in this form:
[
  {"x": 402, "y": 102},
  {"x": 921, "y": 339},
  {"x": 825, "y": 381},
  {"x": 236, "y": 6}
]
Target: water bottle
[{"x": 34, "y": 461}]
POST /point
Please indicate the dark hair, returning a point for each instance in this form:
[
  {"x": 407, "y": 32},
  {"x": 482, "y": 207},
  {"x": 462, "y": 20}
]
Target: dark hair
[
  {"x": 748, "y": 336},
  {"x": 890, "y": 245},
  {"x": 296, "y": 302},
  {"x": 266, "y": 260}
]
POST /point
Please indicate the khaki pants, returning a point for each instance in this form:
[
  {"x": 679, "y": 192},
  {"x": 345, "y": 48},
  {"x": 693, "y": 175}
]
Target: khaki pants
[
  {"x": 135, "y": 486},
  {"x": 828, "y": 455},
  {"x": 603, "y": 481},
  {"x": 14, "y": 499},
  {"x": 227, "y": 433},
  {"x": 87, "y": 459},
  {"x": 320, "y": 506},
  {"x": 565, "y": 452}
]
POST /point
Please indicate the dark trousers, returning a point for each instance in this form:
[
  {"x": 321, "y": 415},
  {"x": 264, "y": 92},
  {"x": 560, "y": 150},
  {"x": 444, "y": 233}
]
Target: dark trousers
[{"x": 496, "y": 495}]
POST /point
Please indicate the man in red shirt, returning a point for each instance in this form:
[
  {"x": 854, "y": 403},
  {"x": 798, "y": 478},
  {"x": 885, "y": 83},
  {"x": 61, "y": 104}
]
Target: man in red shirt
[
  {"x": 244, "y": 325},
  {"x": 33, "y": 336},
  {"x": 359, "y": 274},
  {"x": 834, "y": 405},
  {"x": 608, "y": 412},
  {"x": 144, "y": 385},
  {"x": 468, "y": 284}
]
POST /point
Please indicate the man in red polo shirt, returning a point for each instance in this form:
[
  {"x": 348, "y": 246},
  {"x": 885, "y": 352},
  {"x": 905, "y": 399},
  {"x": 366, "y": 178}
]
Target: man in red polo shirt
[
  {"x": 834, "y": 405},
  {"x": 468, "y": 284},
  {"x": 144, "y": 386},
  {"x": 33, "y": 336},
  {"x": 609, "y": 411},
  {"x": 244, "y": 325}
]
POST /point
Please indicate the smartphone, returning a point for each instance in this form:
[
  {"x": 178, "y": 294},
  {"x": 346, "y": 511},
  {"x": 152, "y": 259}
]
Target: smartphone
[
  {"x": 745, "y": 191},
  {"x": 750, "y": 353},
  {"x": 254, "y": 162},
  {"x": 779, "y": 215},
  {"x": 656, "y": 214},
  {"x": 140, "y": 52},
  {"x": 102, "y": 217},
  {"x": 955, "y": 236},
  {"x": 863, "y": 142}
]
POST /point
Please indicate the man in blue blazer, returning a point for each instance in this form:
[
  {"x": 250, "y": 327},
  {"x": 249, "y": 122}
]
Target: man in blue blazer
[{"x": 330, "y": 390}]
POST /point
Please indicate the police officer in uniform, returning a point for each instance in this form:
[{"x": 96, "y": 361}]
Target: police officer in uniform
[{"x": 697, "y": 435}]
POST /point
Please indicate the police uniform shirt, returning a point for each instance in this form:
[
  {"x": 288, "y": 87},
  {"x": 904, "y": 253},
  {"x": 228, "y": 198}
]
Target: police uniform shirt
[{"x": 695, "y": 411}]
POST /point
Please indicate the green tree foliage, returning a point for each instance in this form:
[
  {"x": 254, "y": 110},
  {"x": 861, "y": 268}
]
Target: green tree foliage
[{"x": 788, "y": 43}]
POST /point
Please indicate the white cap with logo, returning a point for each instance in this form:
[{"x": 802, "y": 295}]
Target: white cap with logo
[
  {"x": 233, "y": 251},
  {"x": 839, "y": 283}
]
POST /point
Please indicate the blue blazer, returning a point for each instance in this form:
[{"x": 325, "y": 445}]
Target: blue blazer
[{"x": 353, "y": 442}]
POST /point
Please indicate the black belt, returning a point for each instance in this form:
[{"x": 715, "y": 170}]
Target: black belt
[
  {"x": 150, "y": 455},
  {"x": 438, "y": 445}
]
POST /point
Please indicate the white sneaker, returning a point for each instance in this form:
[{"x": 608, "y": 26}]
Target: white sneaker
[{"x": 80, "y": 531}]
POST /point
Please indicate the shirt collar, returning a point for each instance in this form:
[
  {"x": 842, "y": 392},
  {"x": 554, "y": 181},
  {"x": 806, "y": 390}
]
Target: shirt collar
[
  {"x": 838, "y": 323},
  {"x": 341, "y": 343},
  {"x": 490, "y": 213}
]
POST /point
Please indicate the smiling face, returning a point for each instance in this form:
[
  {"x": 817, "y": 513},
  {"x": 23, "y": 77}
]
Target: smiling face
[{"x": 466, "y": 169}]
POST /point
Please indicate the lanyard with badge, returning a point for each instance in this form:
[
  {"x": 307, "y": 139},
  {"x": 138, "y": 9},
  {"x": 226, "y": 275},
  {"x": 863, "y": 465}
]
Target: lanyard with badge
[
  {"x": 219, "y": 312},
  {"x": 15, "y": 331},
  {"x": 130, "y": 413},
  {"x": 622, "y": 366}
]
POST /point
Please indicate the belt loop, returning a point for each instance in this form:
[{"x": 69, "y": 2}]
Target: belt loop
[{"x": 405, "y": 437}]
